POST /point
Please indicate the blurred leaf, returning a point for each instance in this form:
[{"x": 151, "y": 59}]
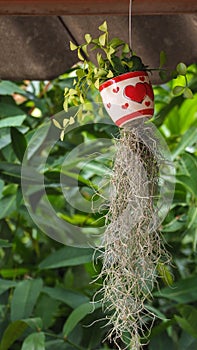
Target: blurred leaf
[
  {"x": 188, "y": 93},
  {"x": 188, "y": 139},
  {"x": 69, "y": 297},
  {"x": 4, "y": 243},
  {"x": 19, "y": 143},
  {"x": 1, "y": 188},
  {"x": 173, "y": 226},
  {"x": 12, "y": 333},
  {"x": 178, "y": 90},
  {"x": 47, "y": 314},
  {"x": 67, "y": 256},
  {"x": 38, "y": 137},
  {"x": 12, "y": 121},
  {"x": 188, "y": 321},
  {"x": 76, "y": 316},
  {"x": 183, "y": 291},
  {"x": 163, "y": 59},
  {"x": 163, "y": 113},
  {"x": 10, "y": 171},
  {"x": 5, "y": 285},
  {"x": 22, "y": 307},
  {"x": 162, "y": 342},
  {"x": 34, "y": 323},
  {"x": 13, "y": 273},
  {"x": 35, "y": 341},
  {"x": 187, "y": 342},
  {"x": 5, "y": 138},
  {"x": 9, "y": 110},
  {"x": 8, "y": 205},
  {"x": 190, "y": 163},
  {"x": 188, "y": 182},
  {"x": 57, "y": 344},
  {"x": 8, "y": 88},
  {"x": 192, "y": 217}
]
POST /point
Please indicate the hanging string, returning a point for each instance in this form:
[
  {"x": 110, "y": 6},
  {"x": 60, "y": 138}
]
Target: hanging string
[{"x": 130, "y": 24}]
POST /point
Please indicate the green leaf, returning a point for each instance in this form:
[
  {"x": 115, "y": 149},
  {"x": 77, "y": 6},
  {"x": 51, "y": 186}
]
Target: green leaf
[
  {"x": 10, "y": 172},
  {"x": 13, "y": 273},
  {"x": 38, "y": 139},
  {"x": 5, "y": 243},
  {"x": 8, "y": 205},
  {"x": 12, "y": 121},
  {"x": 68, "y": 297},
  {"x": 47, "y": 314},
  {"x": 9, "y": 110},
  {"x": 35, "y": 341},
  {"x": 97, "y": 83},
  {"x": 67, "y": 256},
  {"x": 178, "y": 90},
  {"x": 22, "y": 307},
  {"x": 188, "y": 93},
  {"x": 57, "y": 124},
  {"x": 115, "y": 42},
  {"x": 162, "y": 342},
  {"x": 173, "y": 226},
  {"x": 188, "y": 139},
  {"x": 8, "y": 88},
  {"x": 188, "y": 321},
  {"x": 73, "y": 47},
  {"x": 190, "y": 163},
  {"x": 58, "y": 344},
  {"x": 102, "y": 39},
  {"x": 183, "y": 291},
  {"x": 187, "y": 342},
  {"x": 163, "y": 75},
  {"x": 88, "y": 38},
  {"x": 110, "y": 74},
  {"x": 163, "y": 59},
  {"x": 103, "y": 27},
  {"x": 12, "y": 333},
  {"x": 165, "y": 274},
  {"x": 76, "y": 316},
  {"x": 62, "y": 134},
  {"x": 192, "y": 217},
  {"x": 5, "y": 285},
  {"x": 34, "y": 323},
  {"x": 188, "y": 182},
  {"x": 19, "y": 143},
  {"x": 1, "y": 188},
  {"x": 80, "y": 56}
]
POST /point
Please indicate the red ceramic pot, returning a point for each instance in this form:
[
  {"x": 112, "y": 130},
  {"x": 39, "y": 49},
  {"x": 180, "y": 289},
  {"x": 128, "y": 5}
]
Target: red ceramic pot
[{"x": 127, "y": 97}]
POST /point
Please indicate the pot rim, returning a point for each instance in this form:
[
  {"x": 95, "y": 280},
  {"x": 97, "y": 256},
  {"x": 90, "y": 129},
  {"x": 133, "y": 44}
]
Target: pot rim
[{"x": 121, "y": 77}]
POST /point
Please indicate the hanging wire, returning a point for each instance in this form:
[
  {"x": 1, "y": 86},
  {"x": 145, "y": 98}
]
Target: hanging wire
[{"x": 130, "y": 23}]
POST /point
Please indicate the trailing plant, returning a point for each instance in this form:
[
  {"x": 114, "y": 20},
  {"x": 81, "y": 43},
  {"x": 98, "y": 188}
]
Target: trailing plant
[{"x": 113, "y": 57}]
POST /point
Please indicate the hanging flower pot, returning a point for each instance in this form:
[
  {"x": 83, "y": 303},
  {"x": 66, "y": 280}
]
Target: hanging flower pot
[{"x": 127, "y": 97}]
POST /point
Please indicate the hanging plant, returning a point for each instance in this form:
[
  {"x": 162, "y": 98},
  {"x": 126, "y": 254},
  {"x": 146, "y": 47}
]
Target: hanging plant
[{"x": 134, "y": 252}]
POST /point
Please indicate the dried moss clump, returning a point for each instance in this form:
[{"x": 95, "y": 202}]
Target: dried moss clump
[{"x": 133, "y": 246}]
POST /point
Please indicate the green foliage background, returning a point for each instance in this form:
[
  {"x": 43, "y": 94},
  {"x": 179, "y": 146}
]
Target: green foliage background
[{"x": 45, "y": 287}]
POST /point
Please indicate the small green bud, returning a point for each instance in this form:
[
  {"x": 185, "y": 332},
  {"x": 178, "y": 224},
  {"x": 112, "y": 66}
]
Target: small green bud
[
  {"x": 188, "y": 93},
  {"x": 178, "y": 90},
  {"x": 181, "y": 68}
]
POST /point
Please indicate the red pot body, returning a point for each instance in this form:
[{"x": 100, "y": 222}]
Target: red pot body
[{"x": 127, "y": 97}]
